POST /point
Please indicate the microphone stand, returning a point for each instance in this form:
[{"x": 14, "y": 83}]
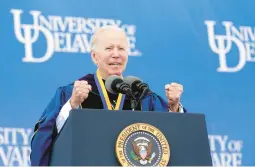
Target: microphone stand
[
  {"x": 124, "y": 88},
  {"x": 141, "y": 96},
  {"x": 133, "y": 100},
  {"x": 133, "y": 104}
]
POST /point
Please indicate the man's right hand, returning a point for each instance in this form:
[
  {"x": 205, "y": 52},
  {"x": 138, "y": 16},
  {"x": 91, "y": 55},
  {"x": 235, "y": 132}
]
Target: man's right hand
[{"x": 80, "y": 93}]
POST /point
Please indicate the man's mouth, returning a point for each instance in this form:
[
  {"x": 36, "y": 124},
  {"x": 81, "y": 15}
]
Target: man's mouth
[{"x": 115, "y": 64}]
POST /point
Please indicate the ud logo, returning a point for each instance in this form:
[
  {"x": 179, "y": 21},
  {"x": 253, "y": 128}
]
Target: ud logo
[
  {"x": 142, "y": 144},
  {"x": 241, "y": 37},
  {"x": 64, "y": 34}
]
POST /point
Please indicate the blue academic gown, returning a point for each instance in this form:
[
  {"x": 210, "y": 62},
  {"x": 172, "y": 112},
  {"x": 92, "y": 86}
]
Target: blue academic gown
[{"x": 45, "y": 130}]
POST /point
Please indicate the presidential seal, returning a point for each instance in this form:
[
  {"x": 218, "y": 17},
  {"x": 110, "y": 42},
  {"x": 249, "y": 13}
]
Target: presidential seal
[{"x": 142, "y": 144}]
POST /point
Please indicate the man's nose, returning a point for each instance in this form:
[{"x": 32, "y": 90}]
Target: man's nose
[{"x": 116, "y": 52}]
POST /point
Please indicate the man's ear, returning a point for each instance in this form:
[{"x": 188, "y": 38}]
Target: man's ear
[{"x": 93, "y": 56}]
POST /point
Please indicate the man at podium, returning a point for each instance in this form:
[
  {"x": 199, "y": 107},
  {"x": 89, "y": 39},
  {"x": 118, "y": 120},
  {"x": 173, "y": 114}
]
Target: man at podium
[{"x": 109, "y": 52}]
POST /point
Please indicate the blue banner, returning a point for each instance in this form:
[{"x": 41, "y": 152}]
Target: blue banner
[{"x": 207, "y": 46}]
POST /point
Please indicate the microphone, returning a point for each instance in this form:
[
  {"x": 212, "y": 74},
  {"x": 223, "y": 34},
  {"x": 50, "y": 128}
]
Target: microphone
[
  {"x": 136, "y": 84},
  {"x": 115, "y": 84}
]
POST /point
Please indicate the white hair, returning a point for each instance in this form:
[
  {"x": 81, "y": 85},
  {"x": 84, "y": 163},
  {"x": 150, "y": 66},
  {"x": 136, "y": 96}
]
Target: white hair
[{"x": 96, "y": 36}]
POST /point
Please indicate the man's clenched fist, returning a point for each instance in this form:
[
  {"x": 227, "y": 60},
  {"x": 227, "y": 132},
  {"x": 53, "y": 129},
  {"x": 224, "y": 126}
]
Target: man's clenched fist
[
  {"x": 80, "y": 93},
  {"x": 173, "y": 94}
]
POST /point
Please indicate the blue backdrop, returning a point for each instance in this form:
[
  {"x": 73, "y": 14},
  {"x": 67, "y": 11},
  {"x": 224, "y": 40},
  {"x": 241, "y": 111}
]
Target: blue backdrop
[{"x": 208, "y": 46}]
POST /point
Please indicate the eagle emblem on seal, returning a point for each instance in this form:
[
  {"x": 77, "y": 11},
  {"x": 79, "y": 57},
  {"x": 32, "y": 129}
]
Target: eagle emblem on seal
[{"x": 141, "y": 152}]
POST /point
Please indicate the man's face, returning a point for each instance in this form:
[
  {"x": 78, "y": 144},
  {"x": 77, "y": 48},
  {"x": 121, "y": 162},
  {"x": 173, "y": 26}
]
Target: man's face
[{"x": 111, "y": 53}]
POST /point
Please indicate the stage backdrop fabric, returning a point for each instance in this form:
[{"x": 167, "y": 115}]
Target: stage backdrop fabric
[{"x": 207, "y": 46}]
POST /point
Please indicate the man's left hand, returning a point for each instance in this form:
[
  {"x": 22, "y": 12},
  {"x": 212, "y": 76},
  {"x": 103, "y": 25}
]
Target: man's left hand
[{"x": 173, "y": 94}]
